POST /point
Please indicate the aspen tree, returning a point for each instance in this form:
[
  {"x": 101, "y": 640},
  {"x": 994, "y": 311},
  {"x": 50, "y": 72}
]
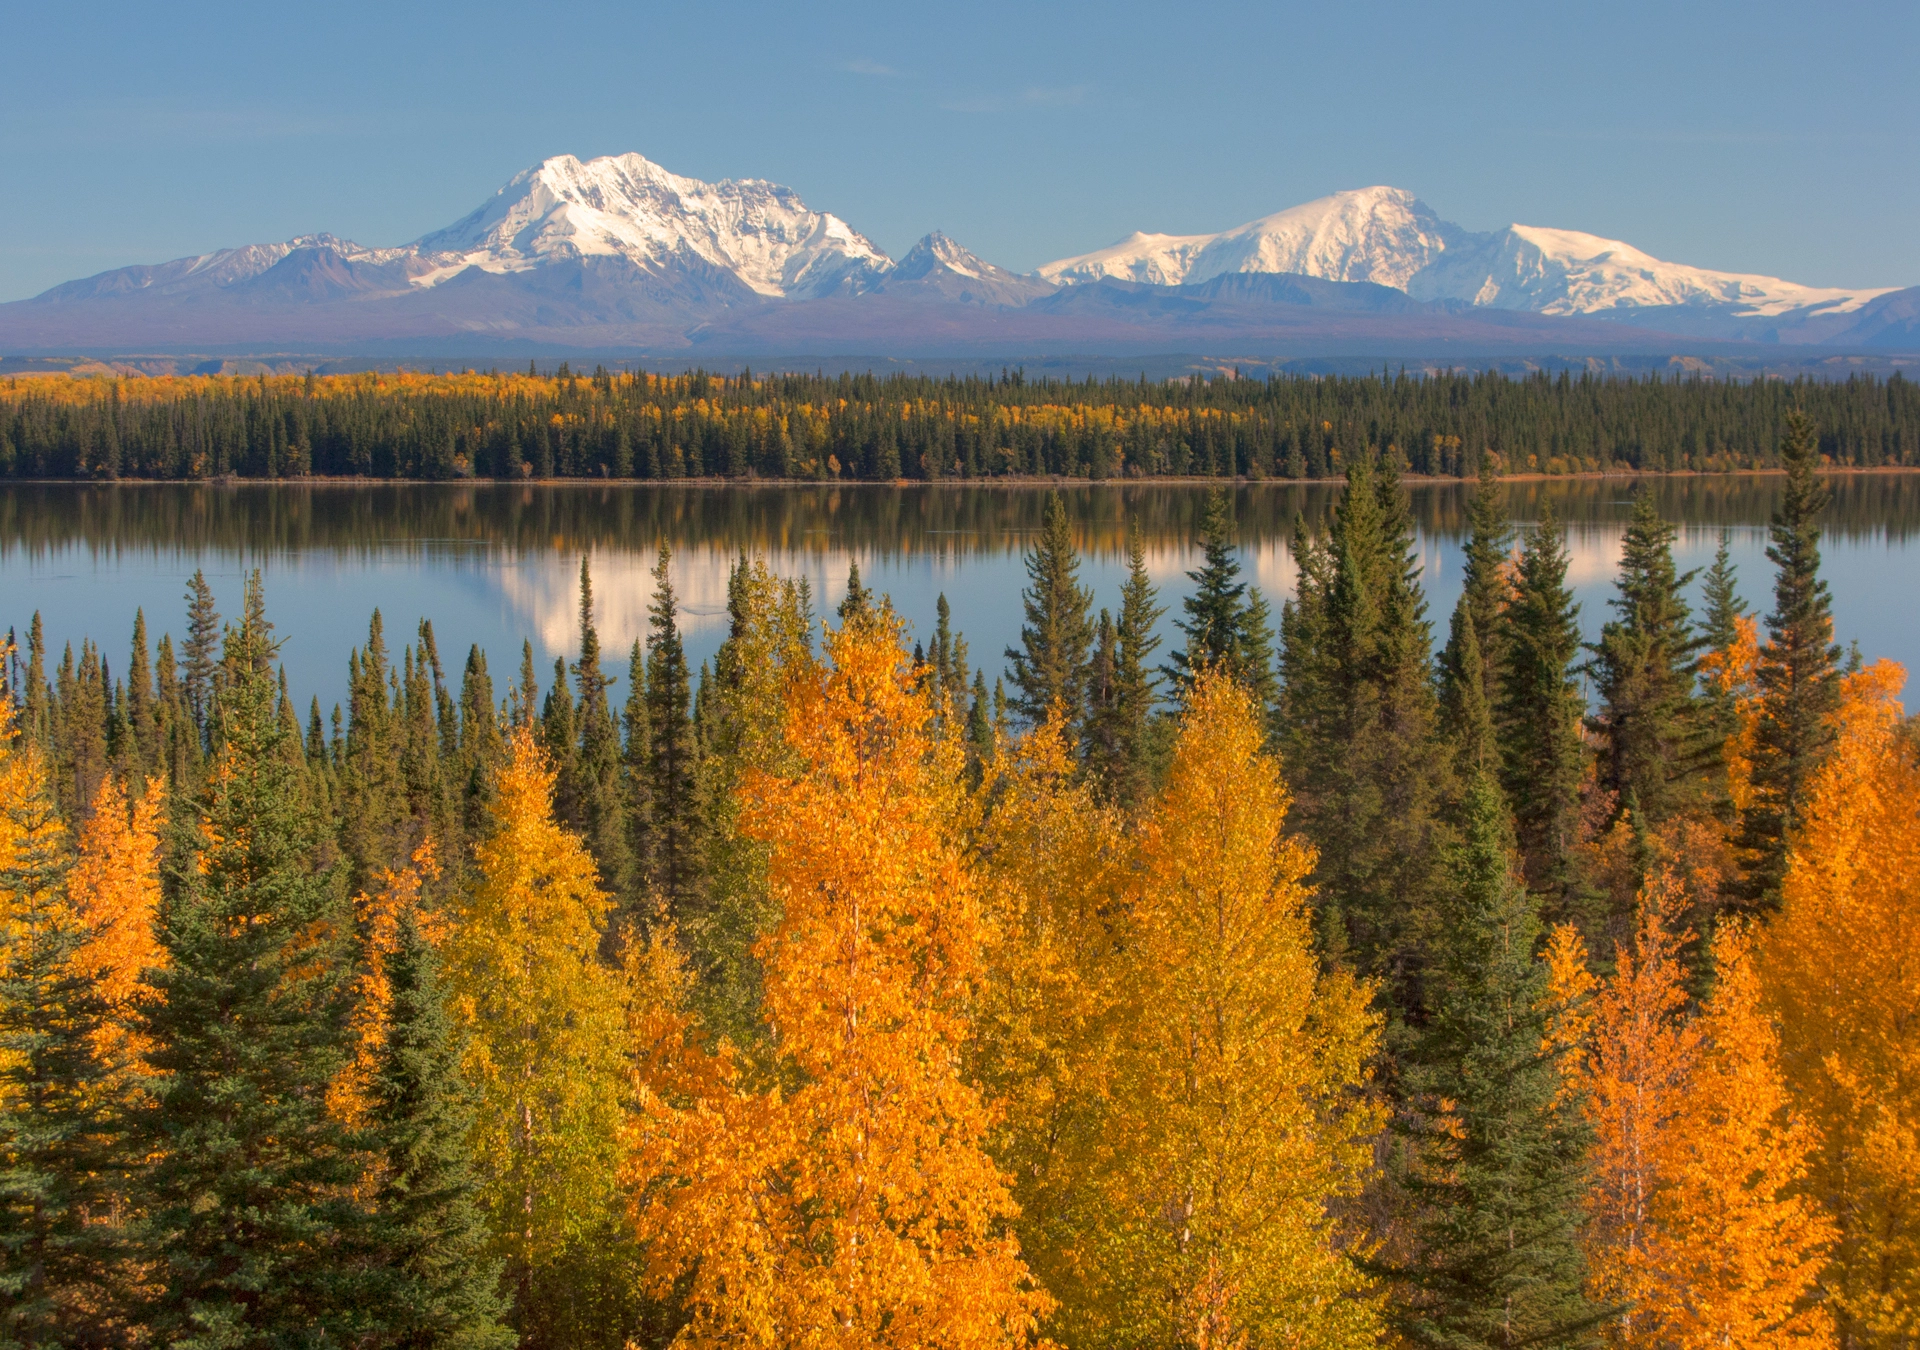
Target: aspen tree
[
  {"x": 1840, "y": 967},
  {"x": 850, "y": 1203}
]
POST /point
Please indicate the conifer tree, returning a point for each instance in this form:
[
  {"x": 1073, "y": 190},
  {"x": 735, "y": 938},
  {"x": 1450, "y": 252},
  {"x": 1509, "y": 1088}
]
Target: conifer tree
[
  {"x": 1135, "y": 682},
  {"x": 671, "y": 753},
  {"x": 1101, "y": 750},
  {"x": 857, "y": 605},
  {"x": 249, "y": 1197},
  {"x": 435, "y": 1281},
  {"x": 1227, "y": 623},
  {"x": 1797, "y": 678},
  {"x": 375, "y": 818},
  {"x": 1538, "y": 717},
  {"x": 481, "y": 745},
  {"x": 198, "y": 655},
  {"x": 1648, "y": 721},
  {"x": 636, "y": 770},
  {"x": 1497, "y": 1172},
  {"x": 597, "y": 765},
  {"x": 1050, "y": 665},
  {"x": 1358, "y": 728},
  {"x": 1484, "y": 583},
  {"x": 558, "y": 727},
  {"x": 1465, "y": 712},
  {"x": 61, "y": 1278}
]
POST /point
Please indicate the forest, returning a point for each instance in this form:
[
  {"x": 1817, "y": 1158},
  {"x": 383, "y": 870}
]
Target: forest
[
  {"x": 1323, "y": 981},
  {"x": 899, "y": 427}
]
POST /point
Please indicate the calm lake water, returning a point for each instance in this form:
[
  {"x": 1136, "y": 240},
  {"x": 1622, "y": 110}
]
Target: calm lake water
[{"x": 494, "y": 565}]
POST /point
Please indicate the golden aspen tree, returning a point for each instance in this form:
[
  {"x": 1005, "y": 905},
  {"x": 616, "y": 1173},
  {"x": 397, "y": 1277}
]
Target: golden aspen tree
[
  {"x": 849, "y": 1203},
  {"x": 1240, "y": 1116},
  {"x": 1056, "y": 870},
  {"x": 543, "y": 1019},
  {"x": 1694, "y": 1233},
  {"x": 114, "y": 886},
  {"x": 1737, "y": 1251},
  {"x": 1638, "y": 1059},
  {"x": 1840, "y": 967}
]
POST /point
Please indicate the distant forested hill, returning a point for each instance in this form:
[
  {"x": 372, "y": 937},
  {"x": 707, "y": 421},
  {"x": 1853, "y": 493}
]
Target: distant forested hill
[{"x": 865, "y": 427}]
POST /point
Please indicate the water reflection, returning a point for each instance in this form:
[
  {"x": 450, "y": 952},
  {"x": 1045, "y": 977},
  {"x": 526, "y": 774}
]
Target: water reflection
[{"x": 495, "y": 564}]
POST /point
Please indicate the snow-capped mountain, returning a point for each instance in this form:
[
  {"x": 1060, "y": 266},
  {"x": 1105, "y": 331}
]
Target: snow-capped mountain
[
  {"x": 1567, "y": 272},
  {"x": 627, "y": 206},
  {"x": 618, "y": 253},
  {"x": 1377, "y": 234},
  {"x": 1391, "y": 238}
]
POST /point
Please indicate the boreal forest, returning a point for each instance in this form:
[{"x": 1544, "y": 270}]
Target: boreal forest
[
  {"x": 863, "y": 427},
  {"x": 1317, "y": 979}
]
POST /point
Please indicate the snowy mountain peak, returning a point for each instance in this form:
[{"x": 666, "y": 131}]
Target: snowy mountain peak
[
  {"x": 628, "y": 206},
  {"x": 1547, "y": 271},
  {"x": 1378, "y": 234}
]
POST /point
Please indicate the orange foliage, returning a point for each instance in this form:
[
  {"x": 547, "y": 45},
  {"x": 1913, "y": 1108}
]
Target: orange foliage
[
  {"x": 1840, "y": 965},
  {"x": 115, "y": 890},
  {"x": 1694, "y": 1227},
  {"x": 1731, "y": 673},
  {"x": 377, "y": 918},
  {"x": 851, "y": 1204}
]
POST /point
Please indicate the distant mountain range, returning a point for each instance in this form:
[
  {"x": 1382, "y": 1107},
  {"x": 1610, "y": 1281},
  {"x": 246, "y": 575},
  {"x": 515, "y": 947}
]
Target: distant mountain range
[{"x": 618, "y": 254}]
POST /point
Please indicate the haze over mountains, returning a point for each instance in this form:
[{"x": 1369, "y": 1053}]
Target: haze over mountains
[{"x": 618, "y": 253}]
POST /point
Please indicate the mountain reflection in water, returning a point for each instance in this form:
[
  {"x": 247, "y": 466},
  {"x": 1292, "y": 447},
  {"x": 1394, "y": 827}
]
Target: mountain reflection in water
[{"x": 493, "y": 564}]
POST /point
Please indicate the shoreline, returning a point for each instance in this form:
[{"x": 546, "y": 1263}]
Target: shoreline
[{"x": 1008, "y": 481}]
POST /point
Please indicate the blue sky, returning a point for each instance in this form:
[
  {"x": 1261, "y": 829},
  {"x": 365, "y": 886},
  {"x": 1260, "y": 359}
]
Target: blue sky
[{"x": 1761, "y": 137}]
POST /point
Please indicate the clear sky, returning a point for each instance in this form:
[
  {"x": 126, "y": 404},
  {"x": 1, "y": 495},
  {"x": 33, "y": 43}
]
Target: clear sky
[{"x": 1763, "y": 137}]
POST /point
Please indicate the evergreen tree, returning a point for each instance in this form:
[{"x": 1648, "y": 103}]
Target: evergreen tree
[
  {"x": 1358, "y": 729},
  {"x": 857, "y": 605},
  {"x": 198, "y": 655},
  {"x": 636, "y": 769},
  {"x": 949, "y": 660},
  {"x": 1796, "y": 675},
  {"x": 435, "y": 1282},
  {"x": 1538, "y": 718},
  {"x": 1482, "y": 595},
  {"x": 601, "y": 818},
  {"x": 1465, "y": 712},
  {"x": 1050, "y": 665},
  {"x": 557, "y": 737},
  {"x": 671, "y": 752},
  {"x": 1212, "y": 627},
  {"x": 1136, "y": 685},
  {"x": 1101, "y": 750},
  {"x": 1719, "y": 632},
  {"x": 481, "y": 745},
  {"x": 1497, "y": 1173},
  {"x": 1643, "y": 666},
  {"x": 59, "y": 1244},
  {"x": 249, "y": 1199},
  {"x": 375, "y": 817}
]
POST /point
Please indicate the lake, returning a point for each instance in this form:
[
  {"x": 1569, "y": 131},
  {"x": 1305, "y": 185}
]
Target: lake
[{"x": 496, "y": 564}]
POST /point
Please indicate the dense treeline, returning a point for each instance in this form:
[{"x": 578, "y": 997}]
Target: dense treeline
[
  {"x": 871, "y": 428},
  {"x": 1289, "y": 987}
]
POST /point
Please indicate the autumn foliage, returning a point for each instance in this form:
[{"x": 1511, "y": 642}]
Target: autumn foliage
[{"x": 849, "y": 1201}]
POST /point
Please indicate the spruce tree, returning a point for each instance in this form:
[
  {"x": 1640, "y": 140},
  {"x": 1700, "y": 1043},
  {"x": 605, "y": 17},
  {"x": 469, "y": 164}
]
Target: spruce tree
[
  {"x": 1497, "y": 1170},
  {"x": 375, "y": 816},
  {"x": 673, "y": 845},
  {"x": 1136, "y": 685},
  {"x": 1212, "y": 625},
  {"x": 62, "y": 1276},
  {"x": 1051, "y": 664},
  {"x": 249, "y": 1197},
  {"x": 602, "y": 819},
  {"x": 198, "y": 654},
  {"x": 1719, "y": 632},
  {"x": 434, "y": 1282},
  {"x": 1539, "y": 720},
  {"x": 1358, "y": 729},
  {"x": 1482, "y": 594},
  {"x": 636, "y": 770},
  {"x": 1797, "y": 675},
  {"x": 1466, "y": 715},
  {"x": 1101, "y": 751},
  {"x": 857, "y": 605},
  {"x": 1649, "y": 725}
]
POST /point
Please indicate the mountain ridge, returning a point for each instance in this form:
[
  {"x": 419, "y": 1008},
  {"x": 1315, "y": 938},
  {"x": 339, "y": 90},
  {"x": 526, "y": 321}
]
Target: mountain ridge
[{"x": 620, "y": 250}]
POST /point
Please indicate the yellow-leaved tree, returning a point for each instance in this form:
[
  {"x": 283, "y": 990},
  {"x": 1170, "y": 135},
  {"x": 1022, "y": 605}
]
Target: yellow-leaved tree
[
  {"x": 1696, "y": 1230},
  {"x": 115, "y": 888},
  {"x": 1240, "y": 1113},
  {"x": 378, "y": 915},
  {"x": 850, "y": 1202},
  {"x": 1056, "y": 874},
  {"x": 545, "y": 1028},
  {"x": 1840, "y": 966}
]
